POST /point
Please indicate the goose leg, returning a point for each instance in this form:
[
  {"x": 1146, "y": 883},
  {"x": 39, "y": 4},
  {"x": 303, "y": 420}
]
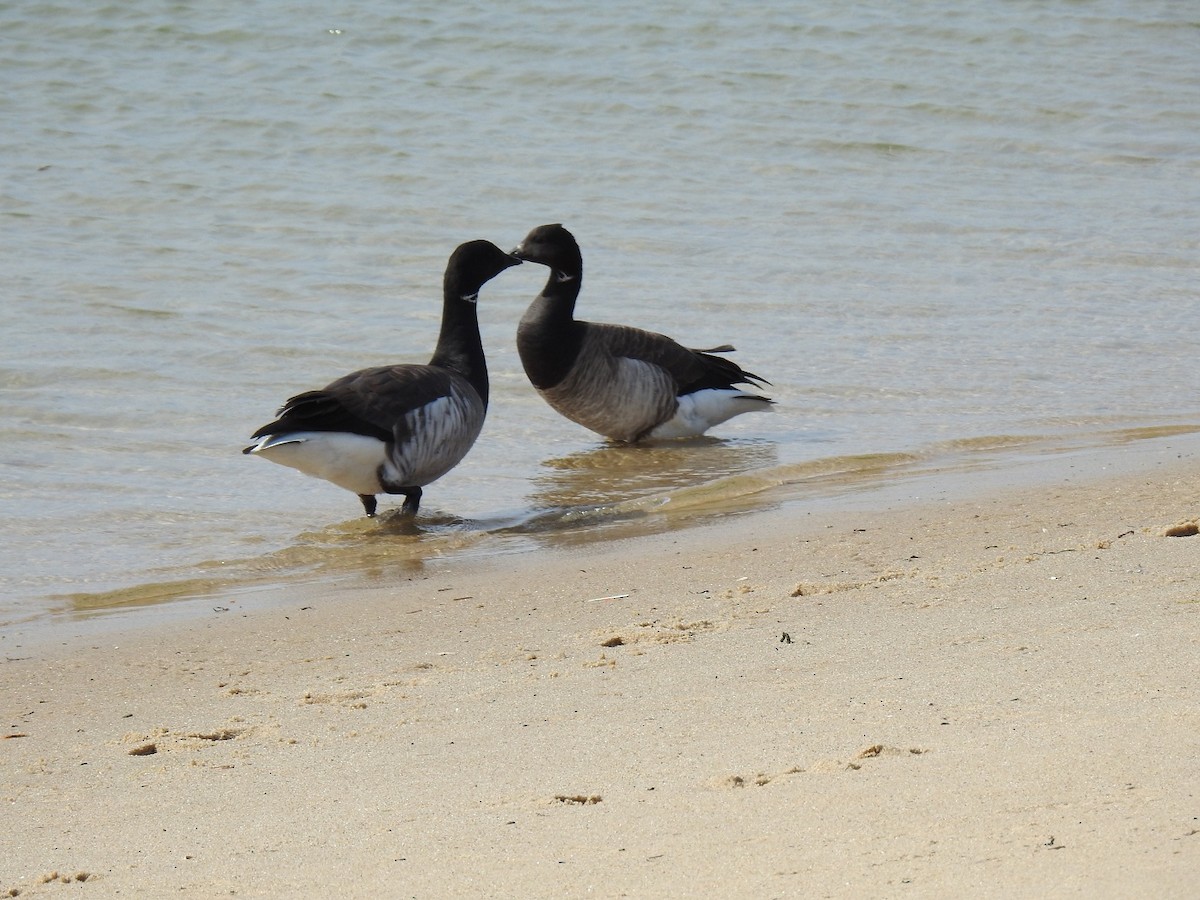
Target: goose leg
[
  {"x": 369, "y": 503},
  {"x": 412, "y": 501}
]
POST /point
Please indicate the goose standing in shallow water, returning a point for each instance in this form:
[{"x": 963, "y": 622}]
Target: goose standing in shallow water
[
  {"x": 395, "y": 429},
  {"x": 622, "y": 382}
]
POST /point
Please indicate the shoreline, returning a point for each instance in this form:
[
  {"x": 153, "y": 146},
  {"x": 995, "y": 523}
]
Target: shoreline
[
  {"x": 824, "y": 488},
  {"x": 990, "y": 694}
]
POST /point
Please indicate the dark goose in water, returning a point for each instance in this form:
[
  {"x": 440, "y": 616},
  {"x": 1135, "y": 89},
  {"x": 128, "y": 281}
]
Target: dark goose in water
[
  {"x": 395, "y": 429},
  {"x": 622, "y": 382}
]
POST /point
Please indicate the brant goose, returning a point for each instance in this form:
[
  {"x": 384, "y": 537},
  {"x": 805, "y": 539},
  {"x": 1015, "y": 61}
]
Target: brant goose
[
  {"x": 394, "y": 429},
  {"x": 621, "y": 382}
]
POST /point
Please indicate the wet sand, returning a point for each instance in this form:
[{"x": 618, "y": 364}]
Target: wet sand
[{"x": 989, "y": 697}]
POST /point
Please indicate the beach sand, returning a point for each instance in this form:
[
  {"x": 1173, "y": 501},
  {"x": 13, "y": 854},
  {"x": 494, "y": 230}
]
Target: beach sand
[{"x": 985, "y": 696}]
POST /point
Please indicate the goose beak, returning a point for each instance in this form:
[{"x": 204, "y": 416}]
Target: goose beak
[{"x": 518, "y": 252}]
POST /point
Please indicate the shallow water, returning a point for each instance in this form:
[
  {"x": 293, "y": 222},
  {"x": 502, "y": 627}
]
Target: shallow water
[{"x": 926, "y": 225}]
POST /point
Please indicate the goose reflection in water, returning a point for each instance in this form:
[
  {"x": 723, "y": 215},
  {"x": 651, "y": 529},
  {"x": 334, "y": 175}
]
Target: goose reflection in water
[{"x": 613, "y": 474}]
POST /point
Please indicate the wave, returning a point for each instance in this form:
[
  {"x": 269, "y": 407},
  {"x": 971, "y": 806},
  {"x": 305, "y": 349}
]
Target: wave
[{"x": 605, "y": 494}]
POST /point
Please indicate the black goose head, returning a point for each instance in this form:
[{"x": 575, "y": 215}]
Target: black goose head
[
  {"x": 553, "y": 246},
  {"x": 472, "y": 265}
]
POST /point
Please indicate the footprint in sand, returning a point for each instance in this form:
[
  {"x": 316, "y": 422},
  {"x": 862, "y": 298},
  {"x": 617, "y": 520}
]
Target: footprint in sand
[{"x": 820, "y": 766}]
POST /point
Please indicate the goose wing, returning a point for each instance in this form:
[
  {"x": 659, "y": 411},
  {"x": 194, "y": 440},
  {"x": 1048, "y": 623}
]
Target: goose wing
[
  {"x": 692, "y": 370},
  {"x": 372, "y": 401}
]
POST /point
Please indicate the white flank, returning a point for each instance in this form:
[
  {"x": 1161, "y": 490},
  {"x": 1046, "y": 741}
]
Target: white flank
[
  {"x": 442, "y": 433},
  {"x": 350, "y": 461},
  {"x": 701, "y": 410},
  {"x": 618, "y": 397}
]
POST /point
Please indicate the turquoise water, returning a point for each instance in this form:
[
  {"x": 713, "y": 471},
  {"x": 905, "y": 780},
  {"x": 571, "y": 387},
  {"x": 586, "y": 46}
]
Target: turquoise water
[{"x": 930, "y": 226}]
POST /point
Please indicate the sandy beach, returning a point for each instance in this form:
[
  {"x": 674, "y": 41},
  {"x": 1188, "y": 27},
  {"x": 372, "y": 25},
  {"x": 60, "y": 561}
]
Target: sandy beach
[{"x": 990, "y": 697}]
